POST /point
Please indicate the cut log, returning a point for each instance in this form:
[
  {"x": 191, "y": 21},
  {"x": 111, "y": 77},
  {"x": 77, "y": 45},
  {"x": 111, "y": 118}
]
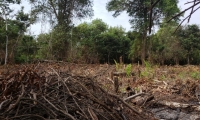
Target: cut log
[
  {"x": 180, "y": 105},
  {"x": 133, "y": 96}
]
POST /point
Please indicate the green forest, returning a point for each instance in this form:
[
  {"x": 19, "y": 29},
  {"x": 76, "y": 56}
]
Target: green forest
[{"x": 97, "y": 42}]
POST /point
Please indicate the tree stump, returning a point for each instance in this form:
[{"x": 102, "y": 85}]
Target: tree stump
[{"x": 116, "y": 84}]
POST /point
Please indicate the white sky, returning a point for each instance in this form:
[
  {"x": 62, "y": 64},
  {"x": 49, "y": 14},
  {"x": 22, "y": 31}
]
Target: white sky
[
  {"x": 123, "y": 19},
  {"x": 101, "y": 12}
]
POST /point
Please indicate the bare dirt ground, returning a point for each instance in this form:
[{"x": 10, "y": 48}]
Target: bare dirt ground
[{"x": 82, "y": 91}]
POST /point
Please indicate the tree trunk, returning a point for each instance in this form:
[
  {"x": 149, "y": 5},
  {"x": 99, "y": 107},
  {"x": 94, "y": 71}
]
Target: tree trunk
[
  {"x": 162, "y": 62},
  {"x": 116, "y": 84},
  {"x": 143, "y": 53},
  {"x": 108, "y": 58},
  {"x": 149, "y": 52},
  {"x": 12, "y": 60},
  {"x": 177, "y": 61},
  {"x": 6, "y": 56},
  {"x": 188, "y": 60}
]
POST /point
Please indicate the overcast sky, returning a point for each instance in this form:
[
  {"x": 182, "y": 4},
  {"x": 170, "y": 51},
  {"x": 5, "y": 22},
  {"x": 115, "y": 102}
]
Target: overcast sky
[
  {"x": 123, "y": 20},
  {"x": 101, "y": 12}
]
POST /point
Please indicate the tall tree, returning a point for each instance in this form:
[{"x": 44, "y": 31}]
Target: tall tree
[
  {"x": 142, "y": 12},
  {"x": 85, "y": 37},
  {"x": 190, "y": 40},
  {"x": 22, "y": 21},
  {"x": 166, "y": 47},
  {"x": 112, "y": 44},
  {"x": 26, "y": 50},
  {"x": 62, "y": 12},
  {"x": 5, "y": 10},
  {"x": 135, "y": 48}
]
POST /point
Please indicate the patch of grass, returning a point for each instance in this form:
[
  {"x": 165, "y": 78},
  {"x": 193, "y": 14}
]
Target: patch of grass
[
  {"x": 137, "y": 89},
  {"x": 122, "y": 89},
  {"x": 148, "y": 71},
  {"x": 144, "y": 73},
  {"x": 195, "y": 75},
  {"x": 182, "y": 75},
  {"x": 163, "y": 77},
  {"x": 128, "y": 70}
]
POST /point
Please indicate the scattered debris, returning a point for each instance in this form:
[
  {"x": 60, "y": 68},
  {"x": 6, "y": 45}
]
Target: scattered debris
[
  {"x": 26, "y": 94},
  {"x": 89, "y": 92}
]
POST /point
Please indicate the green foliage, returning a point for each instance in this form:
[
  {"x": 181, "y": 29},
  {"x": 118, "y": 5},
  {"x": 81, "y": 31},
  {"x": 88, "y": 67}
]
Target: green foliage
[
  {"x": 54, "y": 45},
  {"x": 135, "y": 44},
  {"x": 44, "y": 52},
  {"x": 23, "y": 20},
  {"x": 182, "y": 75},
  {"x": 58, "y": 44},
  {"x": 17, "y": 24},
  {"x": 163, "y": 77},
  {"x": 85, "y": 37},
  {"x": 5, "y": 6},
  {"x": 113, "y": 44},
  {"x": 148, "y": 70},
  {"x": 195, "y": 56},
  {"x": 119, "y": 68},
  {"x": 195, "y": 75},
  {"x": 97, "y": 41},
  {"x": 128, "y": 70},
  {"x": 138, "y": 10},
  {"x": 116, "y": 65},
  {"x": 26, "y": 50},
  {"x": 139, "y": 13},
  {"x": 62, "y": 12},
  {"x": 189, "y": 39},
  {"x": 166, "y": 46},
  {"x": 147, "y": 65},
  {"x": 14, "y": 35}
]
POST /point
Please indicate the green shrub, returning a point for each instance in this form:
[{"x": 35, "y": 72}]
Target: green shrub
[{"x": 128, "y": 69}]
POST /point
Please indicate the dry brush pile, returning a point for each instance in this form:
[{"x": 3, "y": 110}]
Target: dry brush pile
[{"x": 29, "y": 94}]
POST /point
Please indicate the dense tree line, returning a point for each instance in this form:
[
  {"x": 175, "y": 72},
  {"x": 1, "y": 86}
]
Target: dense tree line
[{"x": 96, "y": 42}]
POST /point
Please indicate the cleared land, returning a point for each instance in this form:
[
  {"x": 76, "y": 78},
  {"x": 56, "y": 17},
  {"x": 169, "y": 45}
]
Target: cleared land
[{"x": 58, "y": 90}]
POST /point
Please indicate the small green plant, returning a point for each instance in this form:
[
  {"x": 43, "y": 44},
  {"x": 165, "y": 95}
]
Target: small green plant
[
  {"x": 123, "y": 89},
  {"x": 137, "y": 89},
  {"x": 148, "y": 71},
  {"x": 116, "y": 65},
  {"x": 128, "y": 70},
  {"x": 147, "y": 65},
  {"x": 144, "y": 73},
  {"x": 119, "y": 66},
  {"x": 163, "y": 77},
  {"x": 195, "y": 75},
  {"x": 182, "y": 75}
]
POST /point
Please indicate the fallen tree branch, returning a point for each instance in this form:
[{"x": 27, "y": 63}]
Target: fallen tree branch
[
  {"x": 138, "y": 111},
  {"x": 61, "y": 96},
  {"x": 67, "y": 114},
  {"x": 179, "y": 105},
  {"x": 52, "y": 114},
  {"x": 133, "y": 96},
  {"x": 18, "y": 99},
  {"x": 29, "y": 116}
]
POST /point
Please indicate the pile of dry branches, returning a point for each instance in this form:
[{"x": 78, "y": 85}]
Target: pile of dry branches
[{"x": 26, "y": 94}]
